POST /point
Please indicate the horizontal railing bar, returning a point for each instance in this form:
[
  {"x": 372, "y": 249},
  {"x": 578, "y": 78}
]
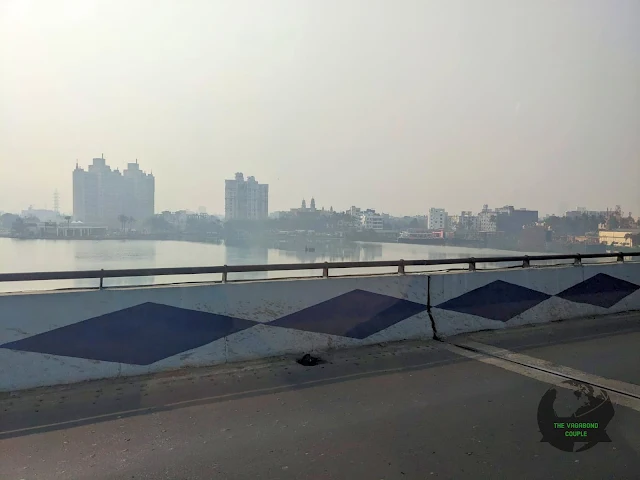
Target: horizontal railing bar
[{"x": 149, "y": 272}]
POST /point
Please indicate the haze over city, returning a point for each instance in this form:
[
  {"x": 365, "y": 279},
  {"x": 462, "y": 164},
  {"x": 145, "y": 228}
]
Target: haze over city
[{"x": 400, "y": 106}]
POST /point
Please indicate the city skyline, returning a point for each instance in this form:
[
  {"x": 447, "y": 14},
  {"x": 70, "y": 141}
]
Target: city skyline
[
  {"x": 263, "y": 205},
  {"x": 525, "y": 103},
  {"x": 68, "y": 207}
]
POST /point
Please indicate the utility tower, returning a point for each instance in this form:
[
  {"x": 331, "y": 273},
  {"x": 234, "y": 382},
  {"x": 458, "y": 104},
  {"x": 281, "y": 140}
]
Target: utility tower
[{"x": 56, "y": 201}]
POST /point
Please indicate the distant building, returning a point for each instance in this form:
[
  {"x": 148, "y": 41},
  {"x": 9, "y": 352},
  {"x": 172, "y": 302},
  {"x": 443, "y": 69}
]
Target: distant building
[
  {"x": 180, "y": 219},
  {"x": 619, "y": 237},
  {"x": 102, "y": 195},
  {"x": 279, "y": 214},
  {"x": 303, "y": 207},
  {"x": 511, "y": 220},
  {"x": 580, "y": 211},
  {"x": 486, "y": 220},
  {"x": 138, "y": 193},
  {"x": 437, "y": 219},
  {"x": 42, "y": 214},
  {"x": 354, "y": 212},
  {"x": 245, "y": 199},
  {"x": 466, "y": 221},
  {"x": 370, "y": 220},
  {"x": 73, "y": 229}
]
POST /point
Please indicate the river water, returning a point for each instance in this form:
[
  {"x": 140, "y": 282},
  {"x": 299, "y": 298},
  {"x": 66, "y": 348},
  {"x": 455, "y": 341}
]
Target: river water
[{"x": 64, "y": 255}]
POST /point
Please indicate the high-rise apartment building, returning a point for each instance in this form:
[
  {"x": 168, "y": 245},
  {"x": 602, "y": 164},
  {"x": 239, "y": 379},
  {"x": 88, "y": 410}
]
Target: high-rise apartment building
[
  {"x": 138, "y": 192},
  {"x": 486, "y": 220},
  {"x": 437, "y": 219},
  {"x": 102, "y": 195},
  {"x": 245, "y": 199}
]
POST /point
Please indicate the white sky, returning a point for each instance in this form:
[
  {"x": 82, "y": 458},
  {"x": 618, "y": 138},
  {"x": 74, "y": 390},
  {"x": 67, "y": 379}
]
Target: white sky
[{"x": 397, "y": 105}]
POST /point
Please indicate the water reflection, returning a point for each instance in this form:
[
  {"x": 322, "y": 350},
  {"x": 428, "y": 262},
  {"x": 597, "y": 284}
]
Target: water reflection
[
  {"x": 336, "y": 252},
  {"x": 247, "y": 256},
  {"x": 65, "y": 255},
  {"x": 114, "y": 255},
  {"x": 332, "y": 252}
]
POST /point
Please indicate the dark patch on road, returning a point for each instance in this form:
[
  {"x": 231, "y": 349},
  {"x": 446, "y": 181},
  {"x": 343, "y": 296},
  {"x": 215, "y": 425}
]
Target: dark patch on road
[{"x": 308, "y": 360}]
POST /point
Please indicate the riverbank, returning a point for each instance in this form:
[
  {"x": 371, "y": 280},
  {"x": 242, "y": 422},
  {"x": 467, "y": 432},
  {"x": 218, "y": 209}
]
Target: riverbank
[{"x": 325, "y": 243}]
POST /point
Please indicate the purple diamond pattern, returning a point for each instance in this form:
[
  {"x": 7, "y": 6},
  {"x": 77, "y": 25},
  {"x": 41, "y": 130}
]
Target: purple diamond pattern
[
  {"x": 149, "y": 332},
  {"x": 497, "y": 300},
  {"x": 601, "y": 290},
  {"x": 139, "y": 335},
  {"x": 356, "y": 314}
]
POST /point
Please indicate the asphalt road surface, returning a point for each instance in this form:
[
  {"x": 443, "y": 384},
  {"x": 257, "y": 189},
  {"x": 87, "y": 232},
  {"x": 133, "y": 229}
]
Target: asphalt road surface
[{"x": 462, "y": 409}]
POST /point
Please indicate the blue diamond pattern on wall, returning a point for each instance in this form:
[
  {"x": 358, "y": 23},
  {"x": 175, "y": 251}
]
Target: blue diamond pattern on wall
[
  {"x": 139, "y": 335},
  {"x": 497, "y": 300},
  {"x": 356, "y": 314},
  {"x": 601, "y": 290}
]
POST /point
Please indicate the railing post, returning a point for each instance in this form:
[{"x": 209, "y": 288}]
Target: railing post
[
  {"x": 578, "y": 261},
  {"x": 325, "y": 270},
  {"x": 472, "y": 264},
  {"x": 101, "y": 278},
  {"x": 526, "y": 263},
  {"x": 620, "y": 257},
  {"x": 224, "y": 274},
  {"x": 401, "y": 267}
]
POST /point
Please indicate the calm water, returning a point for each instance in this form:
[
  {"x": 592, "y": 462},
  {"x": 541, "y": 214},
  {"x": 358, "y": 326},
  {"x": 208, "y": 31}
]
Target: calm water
[{"x": 63, "y": 255}]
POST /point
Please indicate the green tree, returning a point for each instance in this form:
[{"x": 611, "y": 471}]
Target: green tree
[
  {"x": 160, "y": 225},
  {"x": 613, "y": 223},
  {"x": 18, "y": 226},
  {"x": 635, "y": 239},
  {"x": 7, "y": 220}
]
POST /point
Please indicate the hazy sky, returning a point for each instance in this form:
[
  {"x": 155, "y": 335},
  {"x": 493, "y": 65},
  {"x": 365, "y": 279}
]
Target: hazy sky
[{"x": 397, "y": 105}]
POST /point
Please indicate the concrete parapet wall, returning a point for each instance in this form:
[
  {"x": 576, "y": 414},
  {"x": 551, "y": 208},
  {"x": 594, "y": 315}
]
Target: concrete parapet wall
[
  {"x": 494, "y": 299},
  {"x": 69, "y": 336},
  {"x": 50, "y": 338}
]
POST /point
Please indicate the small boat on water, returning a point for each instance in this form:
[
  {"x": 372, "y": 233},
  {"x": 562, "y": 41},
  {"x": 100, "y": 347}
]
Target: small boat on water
[
  {"x": 438, "y": 238},
  {"x": 309, "y": 249},
  {"x": 421, "y": 238}
]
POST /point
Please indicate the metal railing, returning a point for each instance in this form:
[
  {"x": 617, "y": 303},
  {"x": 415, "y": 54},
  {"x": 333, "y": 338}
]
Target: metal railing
[{"x": 324, "y": 267}]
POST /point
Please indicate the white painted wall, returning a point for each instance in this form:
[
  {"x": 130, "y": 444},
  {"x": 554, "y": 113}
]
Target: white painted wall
[
  {"x": 549, "y": 280},
  {"x": 28, "y": 314},
  {"x": 24, "y": 315}
]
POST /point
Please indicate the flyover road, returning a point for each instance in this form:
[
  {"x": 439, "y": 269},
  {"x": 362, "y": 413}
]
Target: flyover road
[{"x": 406, "y": 411}]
